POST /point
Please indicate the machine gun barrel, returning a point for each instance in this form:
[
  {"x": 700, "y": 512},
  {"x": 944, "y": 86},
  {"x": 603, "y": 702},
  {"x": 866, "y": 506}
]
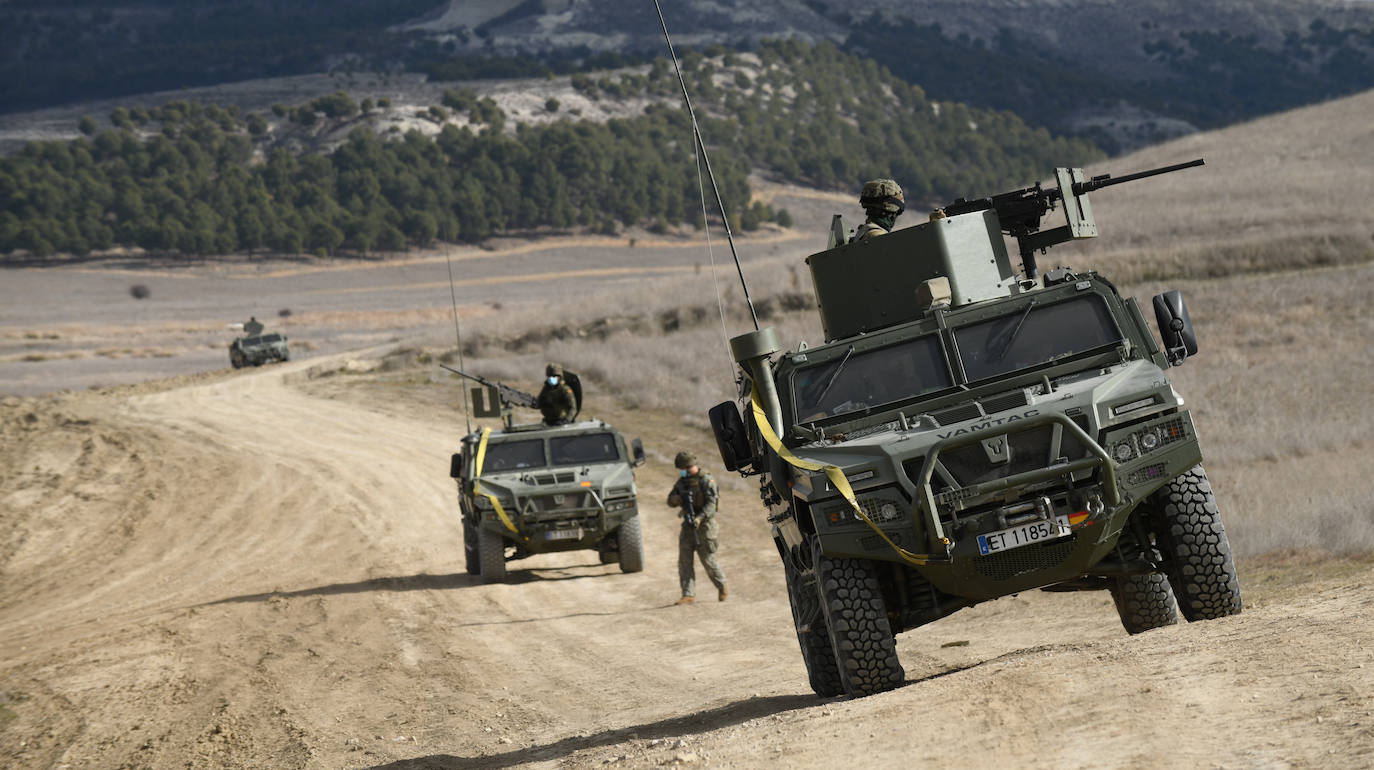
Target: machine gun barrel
[
  {"x": 1106, "y": 180},
  {"x": 508, "y": 394}
]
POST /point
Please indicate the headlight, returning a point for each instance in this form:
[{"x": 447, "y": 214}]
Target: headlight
[
  {"x": 619, "y": 505},
  {"x": 1149, "y": 440},
  {"x": 1123, "y": 452}
]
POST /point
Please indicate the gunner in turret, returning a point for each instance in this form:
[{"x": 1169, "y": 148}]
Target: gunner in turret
[
  {"x": 883, "y": 202},
  {"x": 556, "y": 399}
]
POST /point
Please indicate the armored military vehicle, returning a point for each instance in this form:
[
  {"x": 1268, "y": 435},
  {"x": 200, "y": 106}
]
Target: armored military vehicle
[
  {"x": 256, "y": 348},
  {"x": 966, "y": 432},
  {"x": 537, "y": 488}
]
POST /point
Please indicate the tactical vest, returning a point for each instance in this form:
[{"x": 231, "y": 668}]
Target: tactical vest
[{"x": 697, "y": 485}]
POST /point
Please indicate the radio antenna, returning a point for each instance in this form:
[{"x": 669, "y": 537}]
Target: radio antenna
[
  {"x": 458, "y": 332},
  {"x": 701, "y": 149}
]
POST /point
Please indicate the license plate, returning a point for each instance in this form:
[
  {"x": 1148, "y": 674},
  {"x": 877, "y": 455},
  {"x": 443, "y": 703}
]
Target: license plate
[
  {"x": 1022, "y": 534},
  {"x": 563, "y": 534}
]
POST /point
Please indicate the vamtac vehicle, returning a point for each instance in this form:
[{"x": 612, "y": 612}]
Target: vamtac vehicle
[
  {"x": 539, "y": 488},
  {"x": 966, "y": 433},
  {"x": 256, "y": 348}
]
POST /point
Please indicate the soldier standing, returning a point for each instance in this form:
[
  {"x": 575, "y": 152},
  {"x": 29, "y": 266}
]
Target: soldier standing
[
  {"x": 883, "y": 202},
  {"x": 696, "y": 494},
  {"x": 556, "y": 400}
]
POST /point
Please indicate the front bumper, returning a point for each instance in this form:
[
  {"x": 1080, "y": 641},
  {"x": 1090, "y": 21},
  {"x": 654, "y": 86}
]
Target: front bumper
[{"x": 1090, "y": 486}]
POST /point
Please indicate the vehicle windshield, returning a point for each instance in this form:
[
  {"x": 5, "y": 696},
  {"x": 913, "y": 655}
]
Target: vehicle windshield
[
  {"x": 514, "y": 455},
  {"x": 1034, "y": 335},
  {"x": 580, "y": 450},
  {"x": 270, "y": 338},
  {"x": 869, "y": 379}
]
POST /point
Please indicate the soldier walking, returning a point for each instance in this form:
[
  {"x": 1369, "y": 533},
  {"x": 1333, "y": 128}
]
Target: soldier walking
[{"x": 695, "y": 494}]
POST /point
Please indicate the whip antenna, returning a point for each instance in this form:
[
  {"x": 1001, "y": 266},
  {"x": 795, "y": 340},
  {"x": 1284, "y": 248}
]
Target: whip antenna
[
  {"x": 701, "y": 149},
  {"x": 458, "y": 331}
]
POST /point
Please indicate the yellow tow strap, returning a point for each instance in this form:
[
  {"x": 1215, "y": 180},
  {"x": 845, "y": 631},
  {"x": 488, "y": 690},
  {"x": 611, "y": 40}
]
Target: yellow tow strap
[
  {"x": 477, "y": 486},
  {"x": 838, "y": 480}
]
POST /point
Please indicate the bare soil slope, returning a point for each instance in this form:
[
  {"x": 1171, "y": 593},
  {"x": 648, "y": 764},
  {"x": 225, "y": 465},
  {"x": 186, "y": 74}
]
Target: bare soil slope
[{"x": 240, "y": 571}]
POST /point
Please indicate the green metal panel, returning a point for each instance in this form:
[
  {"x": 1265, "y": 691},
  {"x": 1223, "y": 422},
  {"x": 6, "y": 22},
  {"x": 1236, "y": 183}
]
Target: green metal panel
[{"x": 862, "y": 287}]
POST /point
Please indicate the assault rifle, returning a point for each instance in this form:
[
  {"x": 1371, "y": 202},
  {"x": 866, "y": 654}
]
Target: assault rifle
[
  {"x": 689, "y": 514},
  {"x": 506, "y": 393},
  {"x": 1019, "y": 212}
]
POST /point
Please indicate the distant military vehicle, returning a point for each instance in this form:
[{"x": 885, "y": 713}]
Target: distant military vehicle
[
  {"x": 256, "y": 348},
  {"x": 539, "y": 488},
  {"x": 966, "y": 433}
]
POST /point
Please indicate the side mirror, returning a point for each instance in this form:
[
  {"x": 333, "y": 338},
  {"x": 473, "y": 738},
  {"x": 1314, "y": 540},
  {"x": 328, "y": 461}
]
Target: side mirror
[
  {"x": 455, "y": 466},
  {"x": 637, "y": 450},
  {"x": 731, "y": 438},
  {"x": 1175, "y": 327}
]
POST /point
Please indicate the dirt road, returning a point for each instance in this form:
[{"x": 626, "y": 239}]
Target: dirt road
[{"x": 235, "y": 570}]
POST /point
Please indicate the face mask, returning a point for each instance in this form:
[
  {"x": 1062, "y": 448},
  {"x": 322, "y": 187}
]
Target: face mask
[
  {"x": 682, "y": 472},
  {"x": 553, "y": 380}
]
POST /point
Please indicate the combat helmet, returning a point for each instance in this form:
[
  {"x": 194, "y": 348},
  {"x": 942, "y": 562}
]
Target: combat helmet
[
  {"x": 684, "y": 460},
  {"x": 553, "y": 370},
  {"x": 882, "y": 195}
]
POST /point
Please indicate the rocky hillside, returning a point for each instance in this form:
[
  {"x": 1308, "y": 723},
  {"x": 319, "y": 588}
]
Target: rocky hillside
[
  {"x": 1125, "y": 74},
  {"x": 1121, "y": 74}
]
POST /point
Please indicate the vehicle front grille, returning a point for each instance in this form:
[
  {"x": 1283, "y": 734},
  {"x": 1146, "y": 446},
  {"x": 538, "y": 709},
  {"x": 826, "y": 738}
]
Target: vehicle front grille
[
  {"x": 568, "y": 502},
  {"x": 558, "y": 477},
  {"x": 958, "y": 413},
  {"x": 1028, "y": 450},
  {"x": 975, "y": 409},
  {"x": 1019, "y": 561},
  {"x": 1004, "y": 401}
]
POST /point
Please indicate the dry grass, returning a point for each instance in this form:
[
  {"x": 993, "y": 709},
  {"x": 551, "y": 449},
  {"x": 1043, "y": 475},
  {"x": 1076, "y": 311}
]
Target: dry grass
[
  {"x": 1283, "y": 192},
  {"x": 37, "y": 357}
]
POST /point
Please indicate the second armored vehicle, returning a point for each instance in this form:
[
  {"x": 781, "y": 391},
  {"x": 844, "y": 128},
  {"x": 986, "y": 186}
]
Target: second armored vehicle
[
  {"x": 966, "y": 433},
  {"x": 256, "y": 348},
  {"x": 538, "y": 488}
]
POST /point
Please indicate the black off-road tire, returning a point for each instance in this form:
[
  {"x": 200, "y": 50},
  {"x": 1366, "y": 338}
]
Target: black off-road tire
[
  {"x": 813, "y": 635},
  {"x": 860, "y": 633},
  {"x": 1197, "y": 555},
  {"x": 606, "y": 555},
  {"x": 472, "y": 560},
  {"x": 1144, "y": 602},
  {"x": 491, "y": 548},
  {"x": 236, "y": 359},
  {"x": 631, "y": 544}
]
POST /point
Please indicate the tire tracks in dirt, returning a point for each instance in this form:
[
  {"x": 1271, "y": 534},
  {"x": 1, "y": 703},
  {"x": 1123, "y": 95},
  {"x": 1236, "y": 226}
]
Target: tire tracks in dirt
[{"x": 240, "y": 572}]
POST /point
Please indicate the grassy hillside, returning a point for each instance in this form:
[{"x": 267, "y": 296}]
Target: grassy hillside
[
  {"x": 186, "y": 178},
  {"x": 1122, "y": 74}
]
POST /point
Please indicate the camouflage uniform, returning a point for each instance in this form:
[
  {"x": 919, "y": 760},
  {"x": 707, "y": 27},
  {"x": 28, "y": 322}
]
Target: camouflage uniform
[
  {"x": 883, "y": 201},
  {"x": 868, "y": 230},
  {"x": 698, "y": 541},
  {"x": 556, "y": 401}
]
